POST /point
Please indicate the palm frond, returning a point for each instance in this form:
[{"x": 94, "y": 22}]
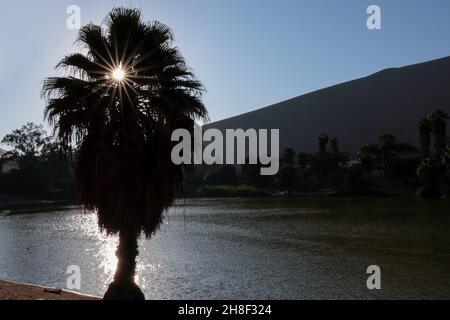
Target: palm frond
[{"x": 123, "y": 128}]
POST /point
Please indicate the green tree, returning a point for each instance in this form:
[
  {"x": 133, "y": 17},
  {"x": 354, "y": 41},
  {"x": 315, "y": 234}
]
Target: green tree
[
  {"x": 223, "y": 174},
  {"x": 251, "y": 175},
  {"x": 122, "y": 99},
  {"x": 194, "y": 176},
  {"x": 446, "y": 163},
  {"x": 325, "y": 166},
  {"x": 287, "y": 178},
  {"x": 42, "y": 172},
  {"x": 368, "y": 157},
  {"x": 28, "y": 141},
  {"x": 405, "y": 148},
  {"x": 446, "y": 157},
  {"x": 387, "y": 146},
  {"x": 303, "y": 159},
  {"x": 60, "y": 172},
  {"x": 430, "y": 171},
  {"x": 357, "y": 181},
  {"x": 288, "y": 157}
]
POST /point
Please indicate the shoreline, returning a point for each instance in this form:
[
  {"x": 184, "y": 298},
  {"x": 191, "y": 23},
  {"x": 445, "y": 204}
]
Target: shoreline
[{"x": 11, "y": 290}]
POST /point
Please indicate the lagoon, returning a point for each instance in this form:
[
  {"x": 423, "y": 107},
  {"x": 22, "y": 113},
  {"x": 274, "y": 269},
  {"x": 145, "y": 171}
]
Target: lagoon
[{"x": 268, "y": 248}]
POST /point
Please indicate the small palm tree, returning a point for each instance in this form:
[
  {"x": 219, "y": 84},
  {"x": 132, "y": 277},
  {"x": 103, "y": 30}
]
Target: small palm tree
[
  {"x": 438, "y": 121},
  {"x": 368, "y": 157},
  {"x": 446, "y": 163},
  {"x": 288, "y": 157},
  {"x": 386, "y": 145},
  {"x": 334, "y": 144},
  {"x": 446, "y": 157},
  {"x": 303, "y": 160},
  {"x": 425, "y": 136},
  {"x": 322, "y": 140},
  {"x": 118, "y": 106},
  {"x": 431, "y": 171}
]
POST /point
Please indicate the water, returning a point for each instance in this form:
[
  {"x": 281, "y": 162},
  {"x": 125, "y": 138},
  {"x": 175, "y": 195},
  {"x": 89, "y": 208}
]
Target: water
[{"x": 249, "y": 249}]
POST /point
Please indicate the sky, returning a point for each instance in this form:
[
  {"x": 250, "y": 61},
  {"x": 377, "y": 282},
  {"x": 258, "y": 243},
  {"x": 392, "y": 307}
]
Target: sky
[{"x": 248, "y": 53}]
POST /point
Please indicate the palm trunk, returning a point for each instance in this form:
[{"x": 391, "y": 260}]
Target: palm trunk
[
  {"x": 425, "y": 139},
  {"x": 126, "y": 253},
  {"x": 322, "y": 148},
  {"x": 432, "y": 187},
  {"x": 440, "y": 137},
  {"x": 425, "y": 146},
  {"x": 124, "y": 286}
]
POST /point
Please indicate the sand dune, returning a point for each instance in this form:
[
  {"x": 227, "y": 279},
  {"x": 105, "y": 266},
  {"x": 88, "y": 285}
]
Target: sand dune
[{"x": 356, "y": 112}]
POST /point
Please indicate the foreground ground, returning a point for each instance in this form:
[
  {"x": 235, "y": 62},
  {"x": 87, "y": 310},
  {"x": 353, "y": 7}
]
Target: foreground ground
[{"x": 18, "y": 291}]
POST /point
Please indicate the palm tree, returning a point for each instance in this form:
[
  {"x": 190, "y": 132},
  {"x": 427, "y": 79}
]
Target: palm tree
[
  {"x": 446, "y": 163},
  {"x": 334, "y": 143},
  {"x": 431, "y": 171},
  {"x": 118, "y": 105},
  {"x": 405, "y": 148},
  {"x": 438, "y": 121},
  {"x": 322, "y": 139},
  {"x": 288, "y": 157},
  {"x": 425, "y": 136},
  {"x": 386, "y": 146},
  {"x": 446, "y": 157},
  {"x": 287, "y": 177},
  {"x": 303, "y": 160},
  {"x": 368, "y": 157}
]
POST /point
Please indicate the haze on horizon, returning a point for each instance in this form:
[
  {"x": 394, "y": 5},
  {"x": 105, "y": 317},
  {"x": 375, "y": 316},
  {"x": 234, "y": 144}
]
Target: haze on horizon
[{"x": 248, "y": 54}]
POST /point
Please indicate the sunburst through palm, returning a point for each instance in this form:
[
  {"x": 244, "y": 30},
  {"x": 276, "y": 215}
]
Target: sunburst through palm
[{"x": 124, "y": 95}]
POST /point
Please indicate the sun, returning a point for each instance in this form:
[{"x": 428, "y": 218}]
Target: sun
[{"x": 119, "y": 74}]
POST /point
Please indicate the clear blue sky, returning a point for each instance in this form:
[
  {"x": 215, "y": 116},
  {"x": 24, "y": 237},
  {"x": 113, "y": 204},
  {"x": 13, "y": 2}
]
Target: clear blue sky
[{"x": 248, "y": 53}]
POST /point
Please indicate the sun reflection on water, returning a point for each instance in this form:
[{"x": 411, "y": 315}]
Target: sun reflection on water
[
  {"x": 104, "y": 248},
  {"x": 107, "y": 255}
]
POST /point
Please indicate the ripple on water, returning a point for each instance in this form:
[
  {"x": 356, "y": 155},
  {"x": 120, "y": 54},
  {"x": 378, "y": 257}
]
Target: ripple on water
[{"x": 247, "y": 249}]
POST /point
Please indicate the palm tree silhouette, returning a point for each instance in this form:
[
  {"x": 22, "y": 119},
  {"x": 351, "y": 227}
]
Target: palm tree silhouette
[
  {"x": 386, "y": 145},
  {"x": 322, "y": 140},
  {"x": 368, "y": 156},
  {"x": 118, "y": 105},
  {"x": 334, "y": 143}
]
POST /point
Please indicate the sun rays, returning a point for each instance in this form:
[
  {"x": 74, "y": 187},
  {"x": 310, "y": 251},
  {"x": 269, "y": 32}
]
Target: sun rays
[{"x": 119, "y": 74}]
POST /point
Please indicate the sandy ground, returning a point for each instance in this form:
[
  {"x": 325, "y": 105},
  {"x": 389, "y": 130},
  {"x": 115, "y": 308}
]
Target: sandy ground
[{"x": 18, "y": 291}]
